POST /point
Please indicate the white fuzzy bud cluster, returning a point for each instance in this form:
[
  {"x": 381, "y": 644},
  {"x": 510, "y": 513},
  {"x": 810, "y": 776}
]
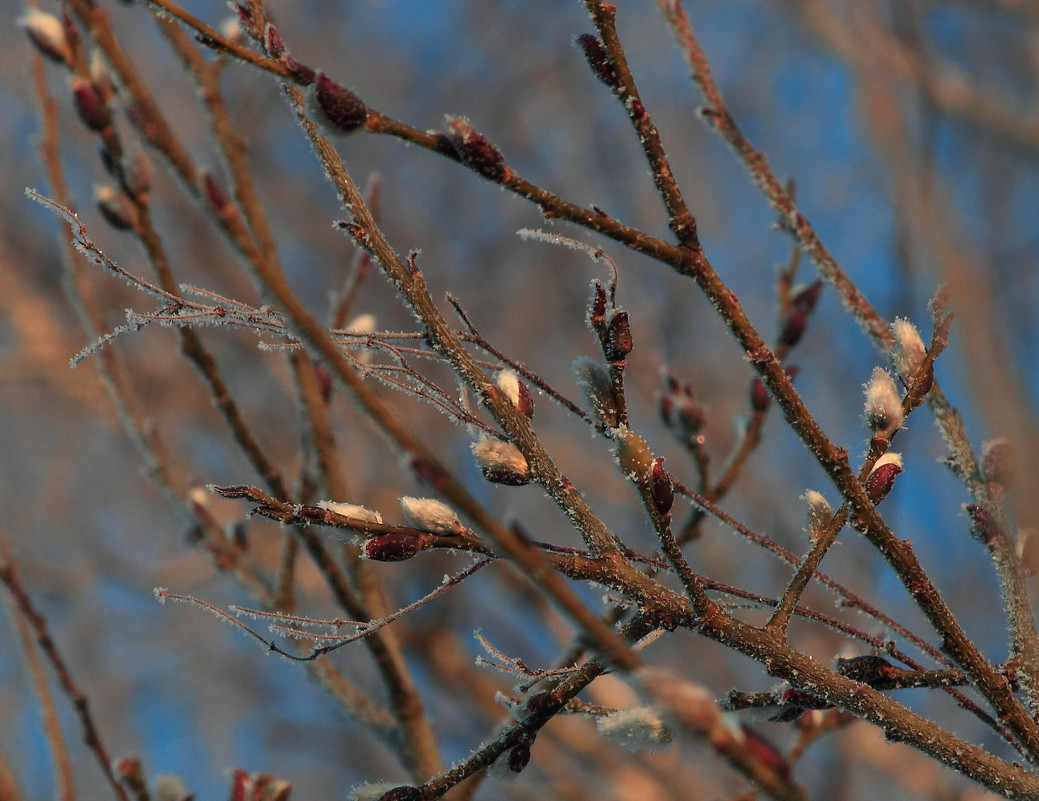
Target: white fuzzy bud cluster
[
  {"x": 819, "y": 514},
  {"x": 638, "y": 729},
  {"x": 351, "y": 510},
  {"x": 429, "y": 514},
  {"x": 909, "y": 349},
  {"x": 501, "y": 462},
  {"x": 884, "y": 414}
]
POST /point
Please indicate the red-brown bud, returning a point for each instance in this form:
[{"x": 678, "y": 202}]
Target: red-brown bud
[
  {"x": 618, "y": 342},
  {"x": 680, "y": 412},
  {"x": 518, "y": 757},
  {"x": 804, "y": 700},
  {"x": 882, "y": 478},
  {"x": 218, "y": 198},
  {"x": 89, "y": 106},
  {"x": 869, "y": 669},
  {"x": 475, "y": 150},
  {"x": 273, "y": 43},
  {"x": 984, "y": 525},
  {"x": 662, "y": 487},
  {"x": 402, "y": 793},
  {"x": 598, "y": 59},
  {"x": 759, "y": 397},
  {"x": 766, "y": 753},
  {"x": 115, "y": 207},
  {"x": 305, "y": 74},
  {"x": 597, "y": 308},
  {"x": 394, "y": 547},
  {"x": 340, "y": 107}
]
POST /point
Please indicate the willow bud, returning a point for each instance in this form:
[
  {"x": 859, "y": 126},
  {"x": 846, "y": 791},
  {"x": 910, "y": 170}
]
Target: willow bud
[
  {"x": 475, "y": 150},
  {"x": 429, "y": 514},
  {"x": 883, "y": 406},
  {"x": 47, "y": 33},
  {"x": 501, "y": 462},
  {"x": 882, "y": 477},
  {"x": 633, "y": 454},
  {"x": 394, "y": 547},
  {"x": 516, "y": 391},
  {"x": 341, "y": 108}
]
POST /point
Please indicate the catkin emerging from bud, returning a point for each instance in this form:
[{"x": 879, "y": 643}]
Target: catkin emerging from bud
[
  {"x": 882, "y": 477},
  {"x": 501, "y": 462},
  {"x": 637, "y": 729},
  {"x": 47, "y": 33},
  {"x": 883, "y": 406},
  {"x": 516, "y": 391},
  {"x": 819, "y": 515},
  {"x": 429, "y": 514},
  {"x": 910, "y": 352}
]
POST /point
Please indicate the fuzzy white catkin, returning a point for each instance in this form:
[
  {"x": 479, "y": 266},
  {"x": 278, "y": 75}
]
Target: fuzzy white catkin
[
  {"x": 909, "y": 348},
  {"x": 508, "y": 383},
  {"x": 429, "y": 514},
  {"x": 639, "y": 728},
  {"x": 351, "y": 510},
  {"x": 819, "y": 513},
  {"x": 883, "y": 405}
]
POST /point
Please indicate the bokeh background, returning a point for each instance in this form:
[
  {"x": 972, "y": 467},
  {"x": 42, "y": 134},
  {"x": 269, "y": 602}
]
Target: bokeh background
[{"x": 911, "y": 131}]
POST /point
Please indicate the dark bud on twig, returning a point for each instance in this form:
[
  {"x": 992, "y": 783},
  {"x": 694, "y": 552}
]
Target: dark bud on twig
[
  {"x": 273, "y": 43},
  {"x": 804, "y": 700},
  {"x": 518, "y": 757},
  {"x": 597, "y": 390},
  {"x": 759, "y": 397},
  {"x": 618, "y": 342},
  {"x": 869, "y": 669},
  {"x": 597, "y": 308},
  {"x": 115, "y": 207},
  {"x": 598, "y": 59},
  {"x": 89, "y": 106},
  {"x": 394, "y": 547},
  {"x": 681, "y": 413},
  {"x": 882, "y": 477},
  {"x": 305, "y": 74},
  {"x": 402, "y": 793},
  {"x": 475, "y": 150},
  {"x": 47, "y": 33},
  {"x": 999, "y": 462},
  {"x": 340, "y": 107},
  {"x": 137, "y": 179},
  {"x": 131, "y": 776},
  {"x": 801, "y": 307},
  {"x": 983, "y": 525},
  {"x": 662, "y": 487},
  {"x": 766, "y": 753},
  {"x": 218, "y": 199},
  {"x": 258, "y": 787}
]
